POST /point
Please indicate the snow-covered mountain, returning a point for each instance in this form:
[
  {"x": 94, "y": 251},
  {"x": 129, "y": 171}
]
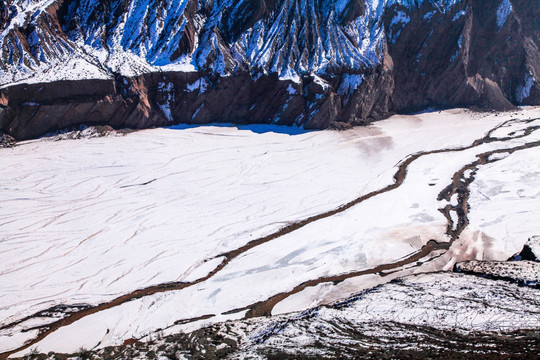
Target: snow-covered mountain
[{"x": 310, "y": 63}]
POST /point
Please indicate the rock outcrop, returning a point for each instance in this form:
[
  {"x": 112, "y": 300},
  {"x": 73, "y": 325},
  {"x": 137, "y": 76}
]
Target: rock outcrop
[
  {"x": 525, "y": 273},
  {"x": 522, "y": 268},
  {"x": 530, "y": 251},
  {"x": 316, "y": 64}
]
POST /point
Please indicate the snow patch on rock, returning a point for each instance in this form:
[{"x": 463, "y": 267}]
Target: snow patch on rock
[
  {"x": 349, "y": 83},
  {"x": 504, "y": 10},
  {"x": 523, "y": 91}
]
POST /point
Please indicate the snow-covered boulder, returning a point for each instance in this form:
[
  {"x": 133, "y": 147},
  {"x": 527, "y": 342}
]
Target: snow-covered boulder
[{"x": 530, "y": 251}]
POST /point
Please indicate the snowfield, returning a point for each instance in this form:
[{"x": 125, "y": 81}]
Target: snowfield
[
  {"x": 450, "y": 302},
  {"x": 234, "y": 216}
]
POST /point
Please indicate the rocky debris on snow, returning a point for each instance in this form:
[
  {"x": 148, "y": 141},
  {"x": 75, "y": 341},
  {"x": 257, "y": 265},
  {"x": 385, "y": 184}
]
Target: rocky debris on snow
[
  {"x": 523, "y": 268},
  {"x": 6, "y": 141},
  {"x": 442, "y": 316},
  {"x": 84, "y": 132},
  {"x": 524, "y": 272}
]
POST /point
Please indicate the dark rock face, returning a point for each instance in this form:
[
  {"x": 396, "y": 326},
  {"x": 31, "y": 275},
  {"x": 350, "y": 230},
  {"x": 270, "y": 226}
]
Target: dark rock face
[
  {"x": 530, "y": 251},
  {"x": 313, "y": 63},
  {"x": 65, "y": 103},
  {"x": 470, "y": 56}
]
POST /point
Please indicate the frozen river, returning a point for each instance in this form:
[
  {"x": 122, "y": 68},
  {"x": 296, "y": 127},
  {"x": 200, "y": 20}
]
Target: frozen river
[{"x": 174, "y": 228}]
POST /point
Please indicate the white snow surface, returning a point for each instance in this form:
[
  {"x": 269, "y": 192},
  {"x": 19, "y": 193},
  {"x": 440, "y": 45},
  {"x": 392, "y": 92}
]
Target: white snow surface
[
  {"x": 524, "y": 91},
  {"x": 503, "y": 11},
  {"x": 510, "y": 183},
  {"x": 534, "y": 244},
  {"x": 85, "y": 221},
  {"x": 401, "y": 315}
]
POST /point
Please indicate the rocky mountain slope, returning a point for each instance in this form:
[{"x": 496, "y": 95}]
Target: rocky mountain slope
[{"x": 317, "y": 64}]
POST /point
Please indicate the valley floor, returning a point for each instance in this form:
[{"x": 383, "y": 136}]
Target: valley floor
[{"x": 120, "y": 239}]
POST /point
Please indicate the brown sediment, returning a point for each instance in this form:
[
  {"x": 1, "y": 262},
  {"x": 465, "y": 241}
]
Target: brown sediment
[
  {"x": 265, "y": 307},
  {"x": 130, "y": 341},
  {"x": 198, "y": 318},
  {"x": 399, "y": 178},
  {"x": 460, "y": 184}
]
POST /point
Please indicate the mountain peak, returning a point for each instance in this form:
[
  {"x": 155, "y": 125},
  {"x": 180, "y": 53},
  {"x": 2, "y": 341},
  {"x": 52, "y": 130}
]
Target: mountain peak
[{"x": 326, "y": 61}]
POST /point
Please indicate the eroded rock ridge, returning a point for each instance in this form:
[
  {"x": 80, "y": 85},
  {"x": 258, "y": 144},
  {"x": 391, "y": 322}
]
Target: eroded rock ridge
[{"x": 316, "y": 64}]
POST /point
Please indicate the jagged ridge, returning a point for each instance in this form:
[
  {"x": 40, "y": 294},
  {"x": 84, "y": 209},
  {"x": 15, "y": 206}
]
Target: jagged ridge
[{"x": 311, "y": 63}]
